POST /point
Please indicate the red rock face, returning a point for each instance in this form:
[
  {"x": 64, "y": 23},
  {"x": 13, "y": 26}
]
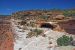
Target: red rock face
[
  {"x": 68, "y": 26},
  {"x": 6, "y": 37}
]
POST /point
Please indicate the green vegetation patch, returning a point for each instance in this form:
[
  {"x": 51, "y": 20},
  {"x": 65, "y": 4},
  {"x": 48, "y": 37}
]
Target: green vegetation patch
[
  {"x": 34, "y": 32},
  {"x": 64, "y": 40}
]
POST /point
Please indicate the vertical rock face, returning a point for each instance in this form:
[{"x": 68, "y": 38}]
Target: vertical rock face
[
  {"x": 67, "y": 26},
  {"x": 6, "y": 36},
  {"x": 58, "y": 28}
]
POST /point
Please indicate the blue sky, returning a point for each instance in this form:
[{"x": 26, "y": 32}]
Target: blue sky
[{"x": 9, "y": 6}]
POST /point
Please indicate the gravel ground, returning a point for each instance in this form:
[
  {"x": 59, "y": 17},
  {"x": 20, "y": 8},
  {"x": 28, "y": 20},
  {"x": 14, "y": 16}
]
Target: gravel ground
[{"x": 66, "y": 48}]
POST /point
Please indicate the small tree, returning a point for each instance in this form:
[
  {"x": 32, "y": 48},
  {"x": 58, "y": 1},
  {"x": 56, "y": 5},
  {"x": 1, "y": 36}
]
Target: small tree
[{"x": 64, "y": 40}]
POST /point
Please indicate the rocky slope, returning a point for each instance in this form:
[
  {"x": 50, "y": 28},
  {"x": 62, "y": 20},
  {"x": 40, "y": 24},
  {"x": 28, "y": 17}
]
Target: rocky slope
[
  {"x": 65, "y": 18},
  {"x": 6, "y": 35}
]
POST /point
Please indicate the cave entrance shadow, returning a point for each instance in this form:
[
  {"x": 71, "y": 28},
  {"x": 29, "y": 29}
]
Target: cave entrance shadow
[{"x": 47, "y": 25}]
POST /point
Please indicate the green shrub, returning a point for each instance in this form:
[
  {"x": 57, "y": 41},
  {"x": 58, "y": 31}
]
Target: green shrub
[
  {"x": 44, "y": 17},
  {"x": 64, "y": 40},
  {"x": 35, "y": 32},
  {"x": 38, "y": 32},
  {"x": 71, "y": 38},
  {"x": 69, "y": 13}
]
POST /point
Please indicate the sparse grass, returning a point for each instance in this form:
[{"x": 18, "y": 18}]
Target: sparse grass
[
  {"x": 38, "y": 32},
  {"x": 35, "y": 32},
  {"x": 30, "y": 34}
]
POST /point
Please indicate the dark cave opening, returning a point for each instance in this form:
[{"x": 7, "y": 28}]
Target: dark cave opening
[{"x": 47, "y": 25}]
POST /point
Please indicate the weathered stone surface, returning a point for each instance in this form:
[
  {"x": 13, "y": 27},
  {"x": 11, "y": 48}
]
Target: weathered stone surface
[
  {"x": 59, "y": 17},
  {"x": 6, "y": 36},
  {"x": 58, "y": 28},
  {"x": 67, "y": 26}
]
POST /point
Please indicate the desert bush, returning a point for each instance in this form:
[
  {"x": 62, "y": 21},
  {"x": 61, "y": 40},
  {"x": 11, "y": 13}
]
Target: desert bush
[
  {"x": 69, "y": 12},
  {"x": 30, "y": 34},
  {"x": 35, "y": 32},
  {"x": 38, "y": 32},
  {"x": 64, "y": 40},
  {"x": 32, "y": 24},
  {"x": 44, "y": 17},
  {"x": 23, "y": 22}
]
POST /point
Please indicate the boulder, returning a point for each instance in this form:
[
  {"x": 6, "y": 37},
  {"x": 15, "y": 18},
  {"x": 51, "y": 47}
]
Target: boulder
[{"x": 59, "y": 17}]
